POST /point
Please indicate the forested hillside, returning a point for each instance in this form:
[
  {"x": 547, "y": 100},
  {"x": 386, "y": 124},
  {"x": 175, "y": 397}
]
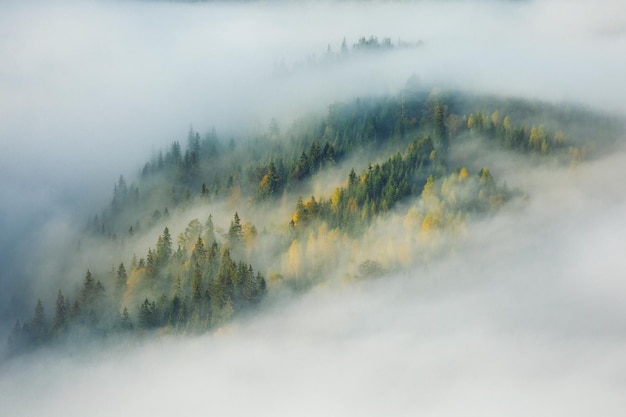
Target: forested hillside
[{"x": 367, "y": 188}]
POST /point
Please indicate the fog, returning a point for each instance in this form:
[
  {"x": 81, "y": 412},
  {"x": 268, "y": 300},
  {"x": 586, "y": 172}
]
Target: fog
[{"x": 526, "y": 318}]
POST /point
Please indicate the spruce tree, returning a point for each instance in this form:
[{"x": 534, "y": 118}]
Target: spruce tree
[
  {"x": 151, "y": 267},
  {"x": 164, "y": 248},
  {"x": 60, "y": 315},
  {"x": 261, "y": 287},
  {"x": 209, "y": 230},
  {"x": 124, "y": 322},
  {"x": 222, "y": 287},
  {"x": 146, "y": 317},
  {"x": 39, "y": 325},
  {"x": 120, "y": 281},
  {"x": 440, "y": 132},
  {"x": 198, "y": 255},
  {"x": 196, "y": 285},
  {"x": 87, "y": 292},
  {"x": 235, "y": 233}
]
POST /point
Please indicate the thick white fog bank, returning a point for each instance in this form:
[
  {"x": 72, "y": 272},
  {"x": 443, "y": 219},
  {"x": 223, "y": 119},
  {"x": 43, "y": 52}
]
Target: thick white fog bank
[
  {"x": 527, "y": 319},
  {"x": 89, "y": 89}
]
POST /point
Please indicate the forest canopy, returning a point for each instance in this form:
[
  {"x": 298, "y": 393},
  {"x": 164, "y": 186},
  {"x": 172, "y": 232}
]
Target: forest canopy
[{"x": 399, "y": 189}]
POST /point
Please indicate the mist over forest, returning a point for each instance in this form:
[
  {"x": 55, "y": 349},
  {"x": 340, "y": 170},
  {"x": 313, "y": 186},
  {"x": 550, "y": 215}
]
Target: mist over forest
[{"x": 321, "y": 208}]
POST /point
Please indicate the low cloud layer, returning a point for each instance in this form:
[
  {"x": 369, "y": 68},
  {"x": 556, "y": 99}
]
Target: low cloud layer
[{"x": 526, "y": 318}]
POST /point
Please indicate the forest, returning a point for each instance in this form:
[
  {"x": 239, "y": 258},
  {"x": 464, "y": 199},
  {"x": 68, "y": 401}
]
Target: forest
[
  {"x": 400, "y": 196},
  {"x": 312, "y": 208}
]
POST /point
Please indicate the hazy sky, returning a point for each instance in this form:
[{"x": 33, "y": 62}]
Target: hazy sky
[
  {"x": 100, "y": 85},
  {"x": 528, "y": 319}
]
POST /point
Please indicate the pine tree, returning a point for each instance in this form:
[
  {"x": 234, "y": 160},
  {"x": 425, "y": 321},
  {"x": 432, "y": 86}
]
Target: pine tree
[
  {"x": 486, "y": 178},
  {"x": 196, "y": 285},
  {"x": 222, "y": 288},
  {"x": 299, "y": 217},
  {"x": 440, "y": 133},
  {"x": 120, "y": 281},
  {"x": 302, "y": 167},
  {"x": 183, "y": 313},
  {"x": 124, "y": 322},
  {"x": 249, "y": 286},
  {"x": 146, "y": 318},
  {"x": 352, "y": 178},
  {"x": 60, "y": 315},
  {"x": 39, "y": 325},
  {"x": 315, "y": 156},
  {"x": 87, "y": 292},
  {"x": 261, "y": 287},
  {"x": 174, "y": 310},
  {"x": 235, "y": 233},
  {"x": 151, "y": 267},
  {"x": 199, "y": 253},
  {"x": 270, "y": 183},
  {"x": 164, "y": 248},
  {"x": 209, "y": 230}
]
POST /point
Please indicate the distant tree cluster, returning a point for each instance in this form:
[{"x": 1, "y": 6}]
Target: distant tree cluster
[
  {"x": 524, "y": 138},
  {"x": 201, "y": 287},
  {"x": 381, "y": 186},
  {"x": 376, "y": 190},
  {"x": 345, "y": 52}
]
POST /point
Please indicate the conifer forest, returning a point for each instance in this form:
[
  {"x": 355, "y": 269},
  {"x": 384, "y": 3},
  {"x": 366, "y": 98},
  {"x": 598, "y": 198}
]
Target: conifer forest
[{"x": 312, "y": 208}]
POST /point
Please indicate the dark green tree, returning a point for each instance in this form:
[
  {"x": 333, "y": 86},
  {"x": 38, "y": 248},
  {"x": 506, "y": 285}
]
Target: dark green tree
[
  {"x": 124, "y": 322},
  {"x": 120, "y": 280},
  {"x": 235, "y": 233},
  {"x": 151, "y": 265},
  {"x": 39, "y": 324},
  {"x": 352, "y": 178},
  {"x": 199, "y": 253},
  {"x": 87, "y": 293},
  {"x": 270, "y": 183},
  {"x": 440, "y": 132},
  {"x": 147, "y": 317},
  {"x": 209, "y": 230},
  {"x": 196, "y": 285},
  {"x": 164, "y": 248},
  {"x": 60, "y": 314}
]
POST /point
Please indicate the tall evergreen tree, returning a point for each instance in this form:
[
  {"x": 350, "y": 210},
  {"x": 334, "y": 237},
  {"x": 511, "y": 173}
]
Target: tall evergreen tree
[
  {"x": 151, "y": 265},
  {"x": 124, "y": 322},
  {"x": 164, "y": 248},
  {"x": 60, "y": 315},
  {"x": 196, "y": 285},
  {"x": 199, "y": 253},
  {"x": 39, "y": 324},
  {"x": 120, "y": 280},
  {"x": 209, "y": 230},
  {"x": 440, "y": 132},
  {"x": 88, "y": 291},
  {"x": 235, "y": 233}
]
